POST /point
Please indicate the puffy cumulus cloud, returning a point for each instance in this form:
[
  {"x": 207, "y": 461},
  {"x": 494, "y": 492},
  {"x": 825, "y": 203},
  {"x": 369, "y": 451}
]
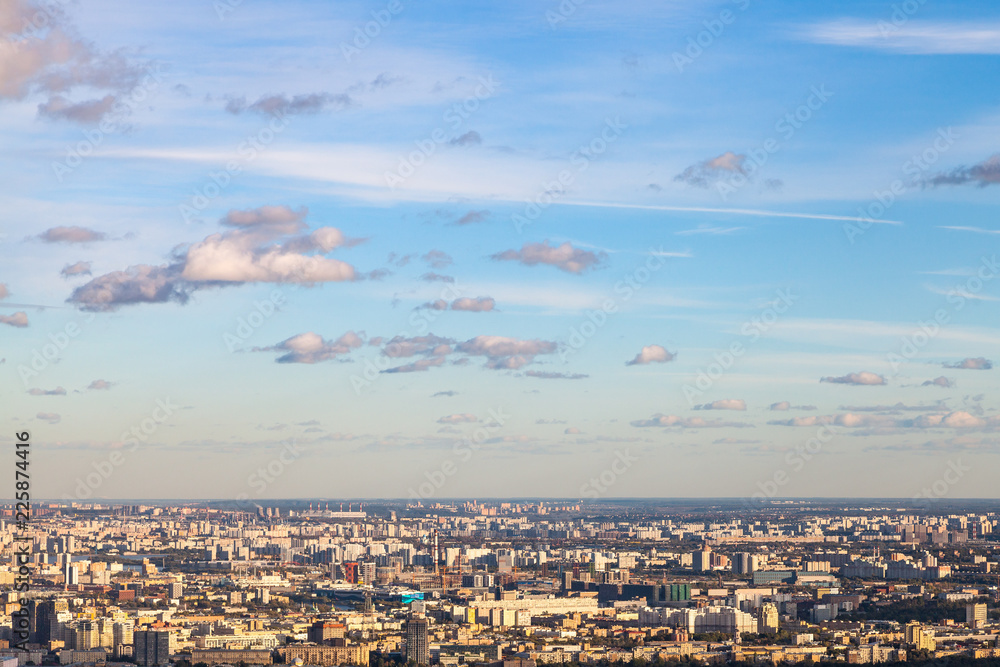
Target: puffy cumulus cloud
[
  {"x": 268, "y": 244},
  {"x": 982, "y": 174},
  {"x": 89, "y": 112},
  {"x": 18, "y": 319},
  {"x": 816, "y": 420},
  {"x": 77, "y": 269},
  {"x": 40, "y": 55},
  {"x": 282, "y": 219},
  {"x": 402, "y": 346},
  {"x": 862, "y": 378},
  {"x": 784, "y": 406},
  {"x": 246, "y": 254},
  {"x": 506, "y": 353},
  {"x": 479, "y": 304},
  {"x": 417, "y": 366},
  {"x": 940, "y": 381},
  {"x": 432, "y": 277},
  {"x": 137, "y": 284},
  {"x": 896, "y": 408},
  {"x": 71, "y": 234},
  {"x": 58, "y": 391},
  {"x": 550, "y": 375},
  {"x": 564, "y": 257},
  {"x": 972, "y": 364},
  {"x": 652, "y": 354},
  {"x": 464, "y": 418},
  {"x": 100, "y": 385},
  {"x": 473, "y": 217},
  {"x": 50, "y": 417},
  {"x": 4, "y": 291},
  {"x": 958, "y": 419},
  {"x": 572, "y": 430},
  {"x": 668, "y": 421},
  {"x": 954, "y": 420},
  {"x": 470, "y": 138},
  {"x": 703, "y": 174},
  {"x": 724, "y": 404},
  {"x": 437, "y": 259},
  {"x": 281, "y": 105},
  {"x": 309, "y": 348}
]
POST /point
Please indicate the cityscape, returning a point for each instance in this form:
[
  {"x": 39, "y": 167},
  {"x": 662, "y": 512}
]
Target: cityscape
[
  {"x": 514, "y": 584},
  {"x": 383, "y": 333}
]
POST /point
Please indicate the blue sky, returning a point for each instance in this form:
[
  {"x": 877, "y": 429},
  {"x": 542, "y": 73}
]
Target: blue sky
[{"x": 534, "y": 226}]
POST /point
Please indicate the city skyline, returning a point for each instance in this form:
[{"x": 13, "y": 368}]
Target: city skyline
[{"x": 561, "y": 250}]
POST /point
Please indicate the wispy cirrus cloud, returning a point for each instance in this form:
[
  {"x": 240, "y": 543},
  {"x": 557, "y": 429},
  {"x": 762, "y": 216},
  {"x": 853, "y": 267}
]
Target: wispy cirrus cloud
[
  {"x": 673, "y": 421},
  {"x": 923, "y": 37}
]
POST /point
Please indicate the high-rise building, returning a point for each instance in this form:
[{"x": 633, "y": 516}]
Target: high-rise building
[
  {"x": 152, "y": 648},
  {"x": 40, "y": 613},
  {"x": 975, "y": 614},
  {"x": 320, "y": 631},
  {"x": 416, "y": 640},
  {"x": 122, "y": 635},
  {"x": 767, "y": 619},
  {"x": 701, "y": 561},
  {"x": 742, "y": 563},
  {"x": 86, "y": 636}
]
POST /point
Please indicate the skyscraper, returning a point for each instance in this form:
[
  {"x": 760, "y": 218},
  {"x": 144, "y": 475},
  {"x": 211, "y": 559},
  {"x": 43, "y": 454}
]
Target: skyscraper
[
  {"x": 152, "y": 648},
  {"x": 416, "y": 640},
  {"x": 767, "y": 619}
]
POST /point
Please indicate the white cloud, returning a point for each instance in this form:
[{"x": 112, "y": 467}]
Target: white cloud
[
  {"x": 862, "y": 378},
  {"x": 309, "y": 348},
  {"x": 564, "y": 257},
  {"x": 652, "y": 354},
  {"x": 915, "y": 36}
]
